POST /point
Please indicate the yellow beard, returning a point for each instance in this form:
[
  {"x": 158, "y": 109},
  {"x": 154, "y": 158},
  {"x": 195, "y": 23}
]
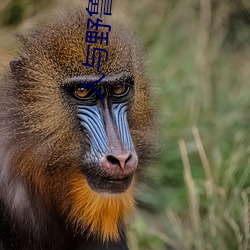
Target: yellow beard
[{"x": 98, "y": 213}]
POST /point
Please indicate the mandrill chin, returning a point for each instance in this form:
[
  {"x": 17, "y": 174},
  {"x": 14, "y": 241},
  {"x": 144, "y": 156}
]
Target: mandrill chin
[{"x": 72, "y": 148}]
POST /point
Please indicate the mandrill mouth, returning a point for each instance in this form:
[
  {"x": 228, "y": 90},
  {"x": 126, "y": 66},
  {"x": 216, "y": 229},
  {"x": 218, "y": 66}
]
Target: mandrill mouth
[
  {"x": 113, "y": 174},
  {"x": 109, "y": 184}
]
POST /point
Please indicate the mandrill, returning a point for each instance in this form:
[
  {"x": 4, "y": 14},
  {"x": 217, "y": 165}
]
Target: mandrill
[{"x": 69, "y": 159}]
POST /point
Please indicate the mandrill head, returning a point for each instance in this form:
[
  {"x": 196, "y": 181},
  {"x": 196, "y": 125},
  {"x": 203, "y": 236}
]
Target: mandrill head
[{"x": 79, "y": 153}]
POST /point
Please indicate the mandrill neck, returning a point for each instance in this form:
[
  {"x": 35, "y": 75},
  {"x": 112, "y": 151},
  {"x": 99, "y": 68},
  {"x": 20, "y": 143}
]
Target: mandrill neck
[
  {"x": 94, "y": 245},
  {"x": 27, "y": 224},
  {"x": 51, "y": 237}
]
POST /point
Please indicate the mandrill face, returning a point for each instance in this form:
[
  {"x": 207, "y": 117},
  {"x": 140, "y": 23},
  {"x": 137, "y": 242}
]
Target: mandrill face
[
  {"x": 110, "y": 163},
  {"x": 79, "y": 153}
]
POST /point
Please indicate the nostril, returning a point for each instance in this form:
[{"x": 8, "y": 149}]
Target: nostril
[
  {"x": 127, "y": 160},
  {"x": 113, "y": 160}
]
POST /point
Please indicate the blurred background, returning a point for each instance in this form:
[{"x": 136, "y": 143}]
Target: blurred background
[{"x": 197, "y": 52}]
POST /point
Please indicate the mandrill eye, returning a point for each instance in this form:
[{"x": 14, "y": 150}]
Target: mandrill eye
[
  {"x": 82, "y": 92},
  {"x": 119, "y": 89}
]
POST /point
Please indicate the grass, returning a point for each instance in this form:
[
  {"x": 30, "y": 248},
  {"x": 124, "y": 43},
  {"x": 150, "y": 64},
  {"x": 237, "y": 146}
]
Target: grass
[{"x": 198, "y": 196}]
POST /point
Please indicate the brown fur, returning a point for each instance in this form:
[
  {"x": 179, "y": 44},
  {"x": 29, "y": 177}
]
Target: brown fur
[{"x": 40, "y": 135}]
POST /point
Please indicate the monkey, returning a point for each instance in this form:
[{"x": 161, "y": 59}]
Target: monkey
[{"x": 70, "y": 161}]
